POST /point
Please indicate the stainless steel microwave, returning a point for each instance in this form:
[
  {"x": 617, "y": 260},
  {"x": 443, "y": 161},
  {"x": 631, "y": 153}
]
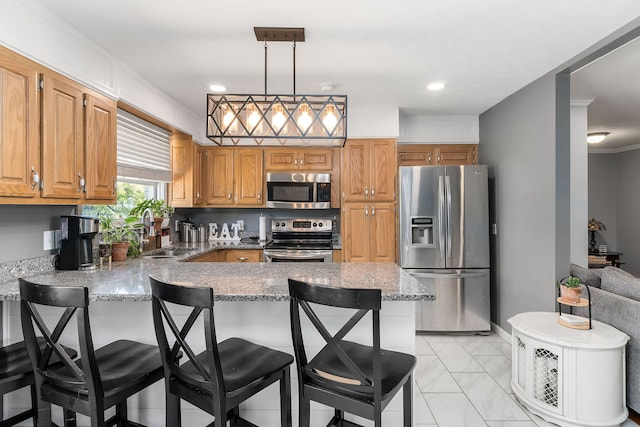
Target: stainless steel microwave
[{"x": 299, "y": 190}]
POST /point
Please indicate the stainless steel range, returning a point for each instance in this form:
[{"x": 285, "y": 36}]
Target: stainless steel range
[{"x": 300, "y": 240}]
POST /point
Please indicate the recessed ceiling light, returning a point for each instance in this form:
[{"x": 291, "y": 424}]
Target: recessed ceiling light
[
  {"x": 326, "y": 87},
  {"x": 435, "y": 86},
  {"x": 218, "y": 88},
  {"x": 596, "y": 137}
]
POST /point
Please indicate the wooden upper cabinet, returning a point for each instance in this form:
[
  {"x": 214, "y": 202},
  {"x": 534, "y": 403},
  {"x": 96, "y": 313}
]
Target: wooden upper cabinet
[
  {"x": 100, "y": 147},
  {"x": 182, "y": 174},
  {"x": 62, "y": 138},
  {"x": 19, "y": 130},
  {"x": 437, "y": 154},
  {"x": 369, "y": 170},
  {"x": 293, "y": 159},
  {"x": 456, "y": 154},
  {"x": 217, "y": 173},
  {"x": 198, "y": 166},
  {"x": 248, "y": 174}
]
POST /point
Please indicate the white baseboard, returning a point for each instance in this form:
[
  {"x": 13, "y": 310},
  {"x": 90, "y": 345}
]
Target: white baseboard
[{"x": 500, "y": 332}]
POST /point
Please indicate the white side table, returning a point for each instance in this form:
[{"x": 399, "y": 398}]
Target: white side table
[{"x": 569, "y": 376}]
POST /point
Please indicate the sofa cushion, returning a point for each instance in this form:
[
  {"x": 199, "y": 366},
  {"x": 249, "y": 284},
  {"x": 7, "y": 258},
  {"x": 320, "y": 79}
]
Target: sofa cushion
[
  {"x": 587, "y": 276},
  {"x": 621, "y": 283}
]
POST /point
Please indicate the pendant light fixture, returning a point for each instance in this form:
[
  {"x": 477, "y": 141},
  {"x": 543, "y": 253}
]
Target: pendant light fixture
[{"x": 267, "y": 119}]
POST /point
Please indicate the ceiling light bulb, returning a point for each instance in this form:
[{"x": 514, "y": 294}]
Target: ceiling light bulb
[
  {"x": 330, "y": 119},
  {"x": 435, "y": 86},
  {"x": 253, "y": 119},
  {"x": 228, "y": 119},
  {"x": 278, "y": 119},
  {"x": 304, "y": 119},
  {"x": 217, "y": 88},
  {"x": 596, "y": 137}
]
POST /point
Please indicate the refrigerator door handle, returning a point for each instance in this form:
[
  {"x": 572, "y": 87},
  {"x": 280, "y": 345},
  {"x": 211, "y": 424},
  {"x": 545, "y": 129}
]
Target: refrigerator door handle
[
  {"x": 448, "y": 275},
  {"x": 449, "y": 242},
  {"x": 441, "y": 215}
]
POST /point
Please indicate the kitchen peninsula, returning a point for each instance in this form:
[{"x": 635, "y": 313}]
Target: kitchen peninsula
[{"x": 251, "y": 302}]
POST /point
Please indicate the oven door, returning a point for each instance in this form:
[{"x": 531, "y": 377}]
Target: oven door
[{"x": 297, "y": 255}]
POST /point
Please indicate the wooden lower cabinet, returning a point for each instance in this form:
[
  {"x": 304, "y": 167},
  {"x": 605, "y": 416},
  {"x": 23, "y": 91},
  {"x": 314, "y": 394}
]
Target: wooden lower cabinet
[
  {"x": 336, "y": 255},
  {"x": 369, "y": 232},
  {"x": 231, "y": 255}
]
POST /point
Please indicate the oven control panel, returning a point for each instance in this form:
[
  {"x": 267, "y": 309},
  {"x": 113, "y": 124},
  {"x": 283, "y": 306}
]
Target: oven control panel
[{"x": 301, "y": 225}]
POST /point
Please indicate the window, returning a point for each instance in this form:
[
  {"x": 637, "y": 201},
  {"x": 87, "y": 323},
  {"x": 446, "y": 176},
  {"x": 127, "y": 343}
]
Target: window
[{"x": 143, "y": 165}]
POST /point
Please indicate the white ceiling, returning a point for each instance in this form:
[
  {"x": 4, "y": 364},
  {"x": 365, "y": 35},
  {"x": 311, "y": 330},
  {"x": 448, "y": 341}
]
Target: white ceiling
[
  {"x": 371, "y": 50},
  {"x": 613, "y": 82}
]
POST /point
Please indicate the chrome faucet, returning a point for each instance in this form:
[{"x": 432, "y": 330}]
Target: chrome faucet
[{"x": 148, "y": 228}]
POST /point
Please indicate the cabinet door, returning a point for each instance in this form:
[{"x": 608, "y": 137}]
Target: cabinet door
[
  {"x": 383, "y": 232},
  {"x": 383, "y": 170},
  {"x": 415, "y": 154},
  {"x": 243, "y": 255},
  {"x": 218, "y": 176},
  {"x": 100, "y": 148},
  {"x": 455, "y": 154},
  {"x": 355, "y": 234},
  {"x": 248, "y": 176},
  {"x": 62, "y": 138},
  {"x": 281, "y": 159},
  {"x": 181, "y": 194},
  {"x": 19, "y": 131},
  {"x": 355, "y": 170},
  {"x": 314, "y": 159},
  {"x": 198, "y": 167}
]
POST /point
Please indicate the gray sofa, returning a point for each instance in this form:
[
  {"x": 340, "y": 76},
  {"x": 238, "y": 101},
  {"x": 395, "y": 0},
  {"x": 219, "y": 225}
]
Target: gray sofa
[{"x": 615, "y": 300}]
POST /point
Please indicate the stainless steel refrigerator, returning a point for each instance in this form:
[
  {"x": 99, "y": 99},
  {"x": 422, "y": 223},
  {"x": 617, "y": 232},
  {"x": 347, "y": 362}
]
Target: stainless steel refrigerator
[{"x": 444, "y": 242}]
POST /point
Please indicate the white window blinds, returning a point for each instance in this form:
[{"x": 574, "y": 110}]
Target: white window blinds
[{"x": 143, "y": 149}]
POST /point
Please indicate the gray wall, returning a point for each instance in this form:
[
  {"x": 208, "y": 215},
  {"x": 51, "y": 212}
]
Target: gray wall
[
  {"x": 518, "y": 140},
  {"x": 614, "y": 199},
  {"x": 22, "y": 227}
]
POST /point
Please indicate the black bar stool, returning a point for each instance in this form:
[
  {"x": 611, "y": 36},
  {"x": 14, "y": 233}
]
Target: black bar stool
[
  {"x": 226, "y": 373},
  {"x": 101, "y": 378},
  {"x": 347, "y": 376},
  {"x": 16, "y": 372}
]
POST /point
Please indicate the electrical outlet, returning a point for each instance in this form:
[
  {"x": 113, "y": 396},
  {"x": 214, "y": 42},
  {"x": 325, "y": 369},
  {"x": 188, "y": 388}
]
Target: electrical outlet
[
  {"x": 49, "y": 240},
  {"x": 240, "y": 225}
]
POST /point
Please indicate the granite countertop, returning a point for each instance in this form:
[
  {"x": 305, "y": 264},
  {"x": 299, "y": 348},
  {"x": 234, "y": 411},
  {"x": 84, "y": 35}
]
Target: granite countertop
[{"x": 129, "y": 280}]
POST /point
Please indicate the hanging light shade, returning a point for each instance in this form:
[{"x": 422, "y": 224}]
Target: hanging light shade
[{"x": 268, "y": 119}]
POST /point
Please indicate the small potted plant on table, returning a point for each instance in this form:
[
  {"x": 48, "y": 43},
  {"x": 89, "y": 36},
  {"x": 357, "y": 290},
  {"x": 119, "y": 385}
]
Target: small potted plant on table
[{"x": 570, "y": 289}]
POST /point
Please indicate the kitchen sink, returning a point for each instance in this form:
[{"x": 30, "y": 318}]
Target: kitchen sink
[{"x": 168, "y": 252}]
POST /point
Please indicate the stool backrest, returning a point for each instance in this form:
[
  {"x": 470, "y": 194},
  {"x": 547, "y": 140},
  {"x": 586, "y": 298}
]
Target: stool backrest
[
  {"x": 75, "y": 302},
  {"x": 206, "y": 374},
  {"x": 361, "y": 301}
]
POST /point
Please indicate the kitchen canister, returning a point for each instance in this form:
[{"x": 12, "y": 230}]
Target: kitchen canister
[
  {"x": 202, "y": 233},
  {"x": 193, "y": 235}
]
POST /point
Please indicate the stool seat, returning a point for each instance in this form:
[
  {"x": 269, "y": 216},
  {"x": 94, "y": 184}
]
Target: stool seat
[
  {"x": 396, "y": 367},
  {"x": 242, "y": 362},
  {"x": 14, "y": 359}
]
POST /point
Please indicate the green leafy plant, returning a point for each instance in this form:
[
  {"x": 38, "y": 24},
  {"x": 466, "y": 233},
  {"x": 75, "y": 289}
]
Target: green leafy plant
[
  {"x": 127, "y": 230},
  {"x": 569, "y": 282},
  {"x": 159, "y": 208}
]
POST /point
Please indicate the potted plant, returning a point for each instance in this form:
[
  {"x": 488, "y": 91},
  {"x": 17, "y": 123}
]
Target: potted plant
[
  {"x": 161, "y": 211},
  {"x": 123, "y": 236},
  {"x": 570, "y": 289}
]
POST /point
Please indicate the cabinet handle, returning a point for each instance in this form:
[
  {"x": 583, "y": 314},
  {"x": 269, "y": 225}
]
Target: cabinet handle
[
  {"x": 115, "y": 185},
  {"x": 197, "y": 195},
  {"x": 243, "y": 258},
  {"x": 343, "y": 194},
  {"x": 229, "y": 196},
  {"x": 373, "y": 191},
  {"x": 373, "y": 211},
  {"x": 35, "y": 178},
  {"x": 301, "y": 162},
  {"x": 366, "y": 191},
  {"x": 259, "y": 196},
  {"x": 438, "y": 158},
  {"x": 366, "y": 211},
  {"x": 429, "y": 158},
  {"x": 295, "y": 162},
  {"x": 82, "y": 185}
]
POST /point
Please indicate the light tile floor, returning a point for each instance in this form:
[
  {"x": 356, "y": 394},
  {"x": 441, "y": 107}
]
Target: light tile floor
[{"x": 464, "y": 381}]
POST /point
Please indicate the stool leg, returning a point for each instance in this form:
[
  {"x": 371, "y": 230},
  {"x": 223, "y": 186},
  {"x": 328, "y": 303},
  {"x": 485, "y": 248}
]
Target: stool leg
[
  {"x": 285, "y": 398},
  {"x": 304, "y": 411},
  {"x": 42, "y": 416},
  {"x": 69, "y": 418},
  {"x": 407, "y": 402},
  {"x": 121, "y": 410},
  {"x": 172, "y": 416}
]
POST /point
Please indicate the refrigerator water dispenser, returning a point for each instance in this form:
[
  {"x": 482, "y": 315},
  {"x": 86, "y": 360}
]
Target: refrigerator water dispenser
[{"x": 422, "y": 231}]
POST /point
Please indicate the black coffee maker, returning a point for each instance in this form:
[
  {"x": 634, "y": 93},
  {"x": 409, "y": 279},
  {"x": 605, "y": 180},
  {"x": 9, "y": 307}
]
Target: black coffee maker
[{"x": 76, "y": 250}]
